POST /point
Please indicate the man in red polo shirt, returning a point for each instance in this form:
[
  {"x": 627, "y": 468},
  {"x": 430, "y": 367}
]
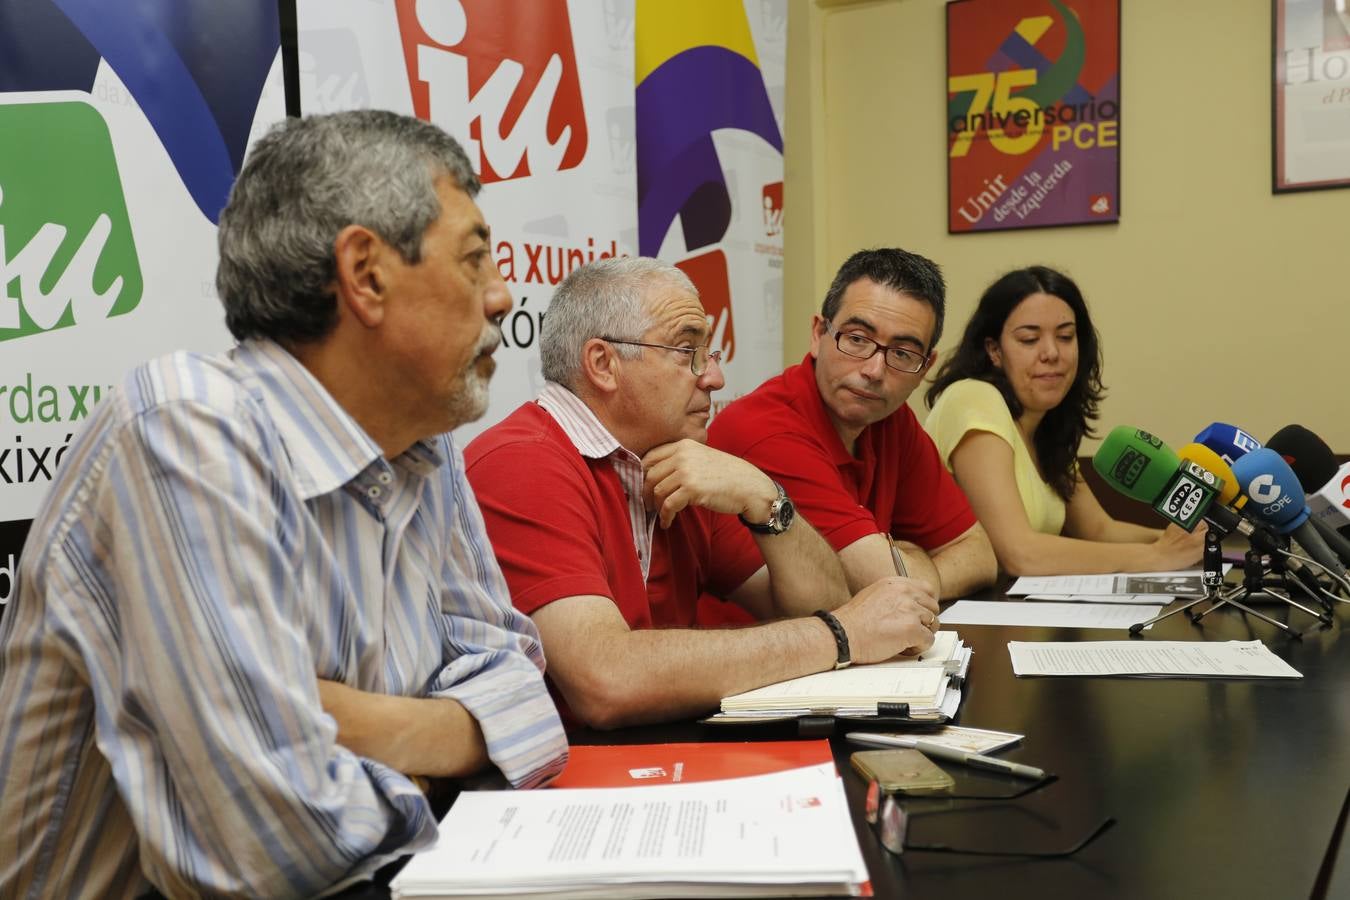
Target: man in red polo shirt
[
  {"x": 836, "y": 433},
  {"x": 610, "y": 515}
]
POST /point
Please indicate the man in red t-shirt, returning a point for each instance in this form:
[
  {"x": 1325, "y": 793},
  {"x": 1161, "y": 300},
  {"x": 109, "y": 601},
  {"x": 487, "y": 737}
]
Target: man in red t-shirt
[
  {"x": 609, "y": 515},
  {"x": 836, "y": 433}
]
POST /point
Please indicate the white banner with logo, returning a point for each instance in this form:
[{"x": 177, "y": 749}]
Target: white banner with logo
[
  {"x": 542, "y": 95},
  {"x": 130, "y": 131},
  {"x": 122, "y": 135}
]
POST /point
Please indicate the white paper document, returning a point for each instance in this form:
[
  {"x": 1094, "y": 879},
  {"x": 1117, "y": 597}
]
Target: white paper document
[
  {"x": 777, "y": 834},
  {"x": 1159, "y": 659},
  {"x": 1187, "y": 583},
  {"x": 1052, "y": 615}
]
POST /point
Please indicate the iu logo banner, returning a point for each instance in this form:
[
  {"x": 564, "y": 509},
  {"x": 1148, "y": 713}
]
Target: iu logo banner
[
  {"x": 65, "y": 236},
  {"x": 509, "y": 91},
  {"x": 123, "y": 134}
]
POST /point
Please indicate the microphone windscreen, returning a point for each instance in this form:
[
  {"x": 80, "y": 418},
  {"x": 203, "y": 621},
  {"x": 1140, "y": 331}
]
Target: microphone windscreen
[
  {"x": 1228, "y": 441},
  {"x": 1276, "y": 496},
  {"x": 1207, "y": 459},
  {"x": 1307, "y": 454},
  {"x": 1135, "y": 463}
]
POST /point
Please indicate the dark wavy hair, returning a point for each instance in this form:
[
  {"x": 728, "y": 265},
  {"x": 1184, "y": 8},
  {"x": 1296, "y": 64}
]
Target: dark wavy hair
[{"x": 1062, "y": 430}]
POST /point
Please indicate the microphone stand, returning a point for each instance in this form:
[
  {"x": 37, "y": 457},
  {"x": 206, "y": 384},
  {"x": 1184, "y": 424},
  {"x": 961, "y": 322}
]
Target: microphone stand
[
  {"x": 1264, "y": 542},
  {"x": 1213, "y": 581},
  {"x": 1253, "y": 571}
]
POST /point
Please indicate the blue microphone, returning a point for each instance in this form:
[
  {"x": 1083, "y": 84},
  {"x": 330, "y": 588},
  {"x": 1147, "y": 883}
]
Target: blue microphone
[
  {"x": 1228, "y": 441},
  {"x": 1275, "y": 497}
]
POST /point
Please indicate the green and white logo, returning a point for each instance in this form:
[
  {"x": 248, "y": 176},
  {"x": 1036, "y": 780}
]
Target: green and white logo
[{"x": 67, "y": 255}]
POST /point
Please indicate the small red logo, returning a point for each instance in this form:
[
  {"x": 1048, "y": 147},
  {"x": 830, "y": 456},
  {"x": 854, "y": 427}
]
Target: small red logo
[
  {"x": 501, "y": 76},
  {"x": 708, "y": 272},
  {"x": 1099, "y": 204},
  {"x": 773, "y": 208}
]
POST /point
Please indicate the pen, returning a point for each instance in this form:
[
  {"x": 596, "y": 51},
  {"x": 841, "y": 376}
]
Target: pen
[
  {"x": 895, "y": 557},
  {"x": 938, "y": 751}
]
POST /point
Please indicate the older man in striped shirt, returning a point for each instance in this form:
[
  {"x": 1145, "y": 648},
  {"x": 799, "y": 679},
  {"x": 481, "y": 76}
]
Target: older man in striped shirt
[{"x": 259, "y": 603}]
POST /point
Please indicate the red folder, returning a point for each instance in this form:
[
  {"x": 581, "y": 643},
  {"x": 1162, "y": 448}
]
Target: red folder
[{"x": 639, "y": 764}]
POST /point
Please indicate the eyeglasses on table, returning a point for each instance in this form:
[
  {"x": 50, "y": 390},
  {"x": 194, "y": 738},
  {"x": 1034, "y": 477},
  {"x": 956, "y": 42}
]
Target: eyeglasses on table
[{"x": 890, "y": 821}]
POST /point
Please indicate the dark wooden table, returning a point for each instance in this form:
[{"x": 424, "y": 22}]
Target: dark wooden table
[{"x": 1225, "y": 789}]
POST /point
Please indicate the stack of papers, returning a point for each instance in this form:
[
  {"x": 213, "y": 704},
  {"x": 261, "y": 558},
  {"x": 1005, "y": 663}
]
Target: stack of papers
[
  {"x": 1127, "y": 587},
  {"x": 929, "y": 683},
  {"x": 1154, "y": 659},
  {"x": 786, "y": 833}
]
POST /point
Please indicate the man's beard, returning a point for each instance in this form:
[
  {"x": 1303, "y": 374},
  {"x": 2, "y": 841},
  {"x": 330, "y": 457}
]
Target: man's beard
[{"x": 470, "y": 402}]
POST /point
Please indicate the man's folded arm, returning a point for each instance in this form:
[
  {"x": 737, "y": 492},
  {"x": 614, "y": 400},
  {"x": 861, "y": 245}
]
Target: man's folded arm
[
  {"x": 210, "y": 714},
  {"x": 612, "y": 676}
]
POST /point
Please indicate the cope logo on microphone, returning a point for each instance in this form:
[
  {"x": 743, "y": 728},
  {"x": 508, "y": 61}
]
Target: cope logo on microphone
[
  {"x": 501, "y": 77},
  {"x": 1129, "y": 467},
  {"x": 1263, "y": 489}
]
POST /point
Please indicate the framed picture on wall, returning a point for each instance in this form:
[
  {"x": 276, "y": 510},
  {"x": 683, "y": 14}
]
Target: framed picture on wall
[
  {"x": 1310, "y": 96},
  {"x": 1033, "y": 114}
]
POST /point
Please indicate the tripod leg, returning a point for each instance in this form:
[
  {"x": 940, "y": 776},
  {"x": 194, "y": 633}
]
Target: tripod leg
[
  {"x": 1291, "y": 632},
  {"x": 1222, "y": 597},
  {"x": 1140, "y": 626}
]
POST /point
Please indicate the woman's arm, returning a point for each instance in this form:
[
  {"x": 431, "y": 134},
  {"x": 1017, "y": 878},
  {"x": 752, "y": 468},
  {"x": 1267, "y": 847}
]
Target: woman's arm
[
  {"x": 1085, "y": 518},
  {"x": 982, "y": 464}
]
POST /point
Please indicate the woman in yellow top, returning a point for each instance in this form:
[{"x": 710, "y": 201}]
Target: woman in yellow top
[{"x": 1009, "y": 409}]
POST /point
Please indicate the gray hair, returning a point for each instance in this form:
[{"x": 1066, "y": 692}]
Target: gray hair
[
  {"x": 603, "y": 298},
  {"x": 305, "y": 181}
]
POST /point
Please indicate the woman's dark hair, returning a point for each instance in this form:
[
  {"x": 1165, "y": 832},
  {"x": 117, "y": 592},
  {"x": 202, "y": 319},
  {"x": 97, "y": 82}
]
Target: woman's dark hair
[{"x": 1062, "y": 430}]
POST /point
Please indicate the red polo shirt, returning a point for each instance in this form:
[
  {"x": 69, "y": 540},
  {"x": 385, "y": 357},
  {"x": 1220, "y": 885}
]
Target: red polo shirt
[
  {"x": 559, "y": 524},
  {"x": 895, "y": 484}
]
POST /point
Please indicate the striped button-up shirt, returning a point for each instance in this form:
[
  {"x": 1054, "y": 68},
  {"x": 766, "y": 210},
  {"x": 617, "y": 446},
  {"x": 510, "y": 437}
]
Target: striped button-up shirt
[
  {"x": 594, "y": 441},
  {"x": 221, "y": 535}
]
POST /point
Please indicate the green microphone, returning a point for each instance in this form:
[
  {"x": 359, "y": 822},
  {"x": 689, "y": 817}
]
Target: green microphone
[
  {"x": 1135, "y": 463},
  {"x": 1141, "y": 466}
]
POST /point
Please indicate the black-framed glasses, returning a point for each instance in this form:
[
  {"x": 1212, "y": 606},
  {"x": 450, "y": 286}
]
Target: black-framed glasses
[
  {"x": 698, "y": 356},
  {"x": 860, "y": 346},
  {"x": 890, "y": 821}
]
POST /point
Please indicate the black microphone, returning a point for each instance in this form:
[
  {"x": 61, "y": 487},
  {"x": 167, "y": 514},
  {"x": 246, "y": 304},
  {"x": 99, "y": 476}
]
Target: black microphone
[{"x": 1315, "y": 467}]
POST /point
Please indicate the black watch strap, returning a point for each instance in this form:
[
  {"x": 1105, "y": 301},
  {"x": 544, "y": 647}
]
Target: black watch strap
[
  {"x": 781, "y": 514},
  {"x": 840, "y": 637}
]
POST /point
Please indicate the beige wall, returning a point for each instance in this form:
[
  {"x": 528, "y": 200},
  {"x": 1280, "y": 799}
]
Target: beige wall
[{"x": 1216, "y": 300}]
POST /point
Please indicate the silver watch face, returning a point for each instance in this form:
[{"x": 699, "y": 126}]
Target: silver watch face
[{"x": 782, "y": 514}]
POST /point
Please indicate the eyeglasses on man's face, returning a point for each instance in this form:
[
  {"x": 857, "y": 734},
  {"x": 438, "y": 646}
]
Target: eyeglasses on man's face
[
  {"x": 890, "y": 821},
  {"x": 698, "y": 356},
  {"x": 860, "y": 346}
]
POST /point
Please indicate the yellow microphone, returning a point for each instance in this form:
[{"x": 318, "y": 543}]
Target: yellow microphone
[{"x": 1207, "y": 459}]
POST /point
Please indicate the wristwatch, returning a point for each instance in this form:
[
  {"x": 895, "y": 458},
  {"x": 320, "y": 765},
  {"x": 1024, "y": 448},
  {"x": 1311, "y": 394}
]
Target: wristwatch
[{"x": 781, "y": 514}]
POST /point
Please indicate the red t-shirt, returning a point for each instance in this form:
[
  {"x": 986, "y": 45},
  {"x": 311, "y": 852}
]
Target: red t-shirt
[
  {"x": 896, "y": 484},
  {"x": 559, "y": 525}
]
